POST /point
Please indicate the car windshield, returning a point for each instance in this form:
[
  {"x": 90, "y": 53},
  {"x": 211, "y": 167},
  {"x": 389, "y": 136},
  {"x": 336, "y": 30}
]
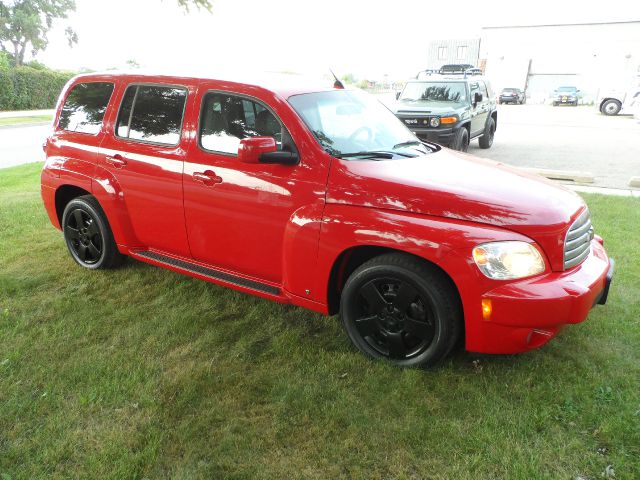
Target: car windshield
[
  {"x": 353, "y": 123},
  {"x": 567, "y": 89},
  {"x": 435, "y": 92}
]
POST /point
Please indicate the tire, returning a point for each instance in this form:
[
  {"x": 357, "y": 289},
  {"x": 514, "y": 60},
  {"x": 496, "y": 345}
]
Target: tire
[
  {"x": 611, "y": 107},
  {"x": 460, "y": 140},
  {"x": 398, "y": 308},
  {"x": 555, "y": 104},
  {"x": 486, "y": 140},
  {"x": 88, "y": 235}
]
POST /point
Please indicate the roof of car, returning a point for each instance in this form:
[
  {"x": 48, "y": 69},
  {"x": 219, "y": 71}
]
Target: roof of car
[{"x": 284, "y": 85}]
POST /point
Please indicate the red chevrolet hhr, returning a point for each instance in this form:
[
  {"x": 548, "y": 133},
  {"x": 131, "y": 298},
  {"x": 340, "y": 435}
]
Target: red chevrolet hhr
[{"x": 320, "y": 197}]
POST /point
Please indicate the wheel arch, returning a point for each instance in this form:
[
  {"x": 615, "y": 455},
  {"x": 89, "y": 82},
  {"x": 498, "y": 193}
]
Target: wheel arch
[
  {"x": 64, "y": 194},
  {"x": 351, "y": 258}
]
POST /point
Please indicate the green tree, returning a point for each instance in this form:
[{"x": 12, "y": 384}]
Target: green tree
[{"x": 27, "y": 22}]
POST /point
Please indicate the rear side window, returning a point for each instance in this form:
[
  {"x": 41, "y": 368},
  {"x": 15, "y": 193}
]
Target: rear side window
[
  {"x": 152, "y": 114},
  {"x": 84, "y": 108}
]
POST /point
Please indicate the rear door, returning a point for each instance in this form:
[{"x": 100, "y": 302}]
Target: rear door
[{"x": 144, "y": 150}]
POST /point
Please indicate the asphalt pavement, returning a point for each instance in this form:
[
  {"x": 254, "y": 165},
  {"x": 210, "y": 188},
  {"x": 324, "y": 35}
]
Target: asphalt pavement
[
  {"x": 22, "y": 144},
  {"x": 565, "y": 138}
]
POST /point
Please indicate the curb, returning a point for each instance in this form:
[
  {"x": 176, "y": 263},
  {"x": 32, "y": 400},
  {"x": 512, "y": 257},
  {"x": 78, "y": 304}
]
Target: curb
[
  {"x": 22, "y": 125},
  {"x": 615, "y": 192},
  {"x": 577, "y": 177}
]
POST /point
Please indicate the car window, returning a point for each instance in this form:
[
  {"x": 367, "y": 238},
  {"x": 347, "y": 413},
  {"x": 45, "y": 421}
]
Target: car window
[
  {"x": 483, "y": 91},
  {"x": 227, "y": 119},
  {"x": 434, "y": 92},
  {"x": 151, "y": 113},
  {"x": 84, "y": 108}
]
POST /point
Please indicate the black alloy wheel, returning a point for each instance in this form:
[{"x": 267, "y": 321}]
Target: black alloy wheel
[
  {"x": 83, "y": 236},
  {"x": 399, "y": 308},
  {"x": 88, "y": 235},
  {"x": 486, "y": 140}
]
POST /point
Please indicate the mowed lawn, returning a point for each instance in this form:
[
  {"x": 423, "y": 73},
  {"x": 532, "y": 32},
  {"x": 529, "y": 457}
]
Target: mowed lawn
[{"x": 144, "y": 373}]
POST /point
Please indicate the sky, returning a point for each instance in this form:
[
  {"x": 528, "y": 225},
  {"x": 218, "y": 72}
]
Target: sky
[{"x": 366, "y": 38}]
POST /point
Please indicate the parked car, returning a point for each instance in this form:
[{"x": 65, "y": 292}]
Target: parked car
[
  {"x": 450, "y": 110},
  {"x": 319, "y": 197},
  {"x": 511, "y": 95},
  {"x": 566, "y": 96},
  {"x": 614, "y": 102}
]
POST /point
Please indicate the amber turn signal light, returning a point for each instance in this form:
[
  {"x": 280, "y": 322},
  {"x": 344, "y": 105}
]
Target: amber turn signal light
[
  {"x": 448, "y": 120},
  {"x": 486, "y": 309}
]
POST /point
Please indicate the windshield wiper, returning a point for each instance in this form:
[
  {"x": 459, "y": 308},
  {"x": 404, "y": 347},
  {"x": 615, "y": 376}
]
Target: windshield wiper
[
  {"x": 407, "y": 144},
  {"x": 375, "y": 154}
]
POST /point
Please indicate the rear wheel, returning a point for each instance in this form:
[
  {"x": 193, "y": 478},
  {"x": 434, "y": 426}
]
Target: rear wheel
[
  {"x": 460, "y": 140},
  {"x": 88, "y": 235},
  {"x": 611, "y": 107},
  {"x": 486, "y": 140},
  {"x": 396, "y": 307}
]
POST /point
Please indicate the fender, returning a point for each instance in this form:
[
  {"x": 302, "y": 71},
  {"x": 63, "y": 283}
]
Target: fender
[
  {"x": 444, "y": 242},
  {"x": 109, "y": 194}
]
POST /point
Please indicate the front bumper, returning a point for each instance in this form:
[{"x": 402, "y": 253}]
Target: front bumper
[
  {"x": 528, "y": 313},
  {"x": 440, "y": 135}
]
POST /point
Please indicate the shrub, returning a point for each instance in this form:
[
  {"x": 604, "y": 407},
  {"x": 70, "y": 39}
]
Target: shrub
[{"x": 28, "y": 88}]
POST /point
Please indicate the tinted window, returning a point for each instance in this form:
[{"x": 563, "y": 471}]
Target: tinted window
[
  {"x": 227, "y": 119},
  {"x": 84, "y": 108},
  {"x": 152, "y": 114}
]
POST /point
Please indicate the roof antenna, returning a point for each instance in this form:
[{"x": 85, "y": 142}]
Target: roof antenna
[{"x": 337, "y": 83}]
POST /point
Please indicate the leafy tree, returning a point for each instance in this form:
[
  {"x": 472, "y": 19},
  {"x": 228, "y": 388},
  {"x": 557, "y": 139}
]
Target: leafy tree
[
  {"x": 27, "y": 22},
  {"x": 24, "y": 22}
]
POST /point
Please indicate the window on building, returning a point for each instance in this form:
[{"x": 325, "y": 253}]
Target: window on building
[
  {"x": 152, "y": 114},
  {"x": 84, "y": 108},
  {"x": 442, "y": 53},
  {"x": 462, "y": 52}
]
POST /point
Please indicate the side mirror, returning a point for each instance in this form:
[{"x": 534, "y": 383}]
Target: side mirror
[
  {"x": 477, "y": 98},
  {"x": 264, "y": 150},
  {"x": 250, "y": 149},
  {"x": 398, "y": 95}
]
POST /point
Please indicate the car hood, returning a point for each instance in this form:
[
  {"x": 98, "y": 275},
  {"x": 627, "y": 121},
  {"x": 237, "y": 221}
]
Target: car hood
[
  {"x": 459, "y": 186},
  {"x": 421, "y": 107}
]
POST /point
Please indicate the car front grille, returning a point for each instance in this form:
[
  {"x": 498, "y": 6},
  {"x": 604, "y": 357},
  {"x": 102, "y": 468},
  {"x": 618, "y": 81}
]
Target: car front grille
[{"x": 578, "y": 240}]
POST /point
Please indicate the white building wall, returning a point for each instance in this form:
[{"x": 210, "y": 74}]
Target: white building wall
[{"x": 594, "y": 56}]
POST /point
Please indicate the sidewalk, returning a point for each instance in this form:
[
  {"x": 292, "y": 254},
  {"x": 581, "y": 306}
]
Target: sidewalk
[{"x": 26, "y": 113}]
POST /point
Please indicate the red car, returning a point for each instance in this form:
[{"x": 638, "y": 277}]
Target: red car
[{"x": 320, "y": 197}]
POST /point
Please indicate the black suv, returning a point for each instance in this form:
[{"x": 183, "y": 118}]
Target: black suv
[
  {"x": 449, "y": 110},
  {"x": 511, "y": 95}
]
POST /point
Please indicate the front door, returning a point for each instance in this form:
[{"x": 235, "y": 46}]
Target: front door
[
  {"x": 237, "y": 213},
  {"x": 144, "y": 150},
  {"x": 479, "y": 110}
]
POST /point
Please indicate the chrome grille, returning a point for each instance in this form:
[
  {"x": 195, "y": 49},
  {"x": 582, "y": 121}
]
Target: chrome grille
[{"x": 578, "y": 240}]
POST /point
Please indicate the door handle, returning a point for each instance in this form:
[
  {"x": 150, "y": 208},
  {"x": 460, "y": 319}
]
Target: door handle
[
  {"x": 207, "y": 177},
  {"x": 116, "y": 160}
]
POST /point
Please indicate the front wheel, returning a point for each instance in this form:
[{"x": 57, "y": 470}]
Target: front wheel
[
  {"x": 460, "y": 140},
  {"x": 398, "y": 308},
  {"x": 88, "y": 235}
]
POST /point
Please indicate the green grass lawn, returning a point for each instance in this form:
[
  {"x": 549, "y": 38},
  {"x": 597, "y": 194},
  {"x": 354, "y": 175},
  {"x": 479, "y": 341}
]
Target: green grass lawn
[
  {"x": 25, "y": 120},
  {"x": 144, "y": 373}
]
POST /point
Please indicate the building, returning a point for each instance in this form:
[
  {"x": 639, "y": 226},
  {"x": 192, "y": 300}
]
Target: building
[
  {"x": 590, "y": 56},
  {"x": 445, "y": 52}
]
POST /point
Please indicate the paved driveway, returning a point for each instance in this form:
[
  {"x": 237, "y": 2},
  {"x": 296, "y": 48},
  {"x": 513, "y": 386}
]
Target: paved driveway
[
  {"x": 567, "y": 138},
  {"x": 22, "y": 144}
]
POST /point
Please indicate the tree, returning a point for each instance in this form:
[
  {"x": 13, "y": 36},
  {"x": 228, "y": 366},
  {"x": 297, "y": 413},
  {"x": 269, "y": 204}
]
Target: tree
[
  {"x": 24, "y": 22},
  {"x": 27, "y": 22}
]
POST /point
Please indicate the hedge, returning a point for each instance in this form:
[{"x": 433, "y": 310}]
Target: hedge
[{"x": 27, "y": 88}]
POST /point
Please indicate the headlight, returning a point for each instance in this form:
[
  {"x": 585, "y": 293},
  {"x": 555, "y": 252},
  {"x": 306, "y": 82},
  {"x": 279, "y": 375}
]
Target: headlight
[
  {"x": 508, "y": 260},
  {"x": 434, "y": 122}
]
